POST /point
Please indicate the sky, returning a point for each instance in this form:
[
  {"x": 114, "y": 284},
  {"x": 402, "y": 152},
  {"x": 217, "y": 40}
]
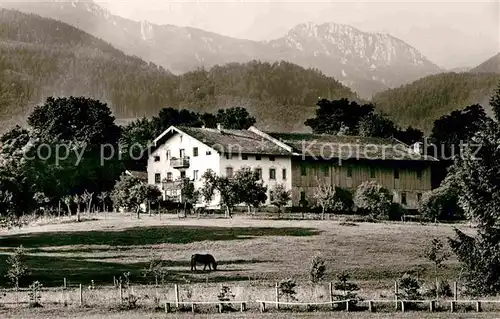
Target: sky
[{"x": 450, "y": 33}]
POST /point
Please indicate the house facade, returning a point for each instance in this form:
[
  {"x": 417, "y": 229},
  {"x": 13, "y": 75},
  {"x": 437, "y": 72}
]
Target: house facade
[{"x": 300, "y": 162}]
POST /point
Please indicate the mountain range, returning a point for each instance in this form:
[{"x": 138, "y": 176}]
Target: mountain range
[{"x": 366, "y": 62}]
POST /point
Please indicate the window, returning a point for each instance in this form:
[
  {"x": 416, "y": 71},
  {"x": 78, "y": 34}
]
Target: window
[
  {"x": 229, "y": 171},
  {"x": 195, "y": 175},
  {"x": 271, "y": 196},
  {"x": 208, "y": 152},
  {"x": 326, "y": 170},
  {"x": 372, "y": 172},
  {"x": 272, "y": 173},
  {"x": 181, "y": 153},
  {"x": 419, "y": 174},
  {"x": 180, "y": 137},
  {"x": 303, "y": 170},
  {"x": 349, "y": 171},
  {"x": 396, "y": 173},
  {"x": 419, "y": 196},
  {"x": 229, "y": 156},
  {"x": 272, "y": 158},
  {"x": 157, "y": 178},
  {"x": 259, "y": 172},
  {"x": 244, "y": 157},
  {"x": 183, "y": 174},
  {"x": 169, "y": 177},
  {"x": 168, "y": 155},
  {"x": 403, "y": 198},
  {"x": 258, "y": 157},
  {"x": 157, "y": 158},
  {"x": 195, "y": 151},
  {"x": 284, "y": 173}
]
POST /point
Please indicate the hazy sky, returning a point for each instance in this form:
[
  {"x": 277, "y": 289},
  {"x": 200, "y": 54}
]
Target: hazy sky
[{"x": 450, "y": 33}]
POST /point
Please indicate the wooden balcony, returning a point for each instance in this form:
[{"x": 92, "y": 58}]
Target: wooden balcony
[{"x": 179, "y": 162}]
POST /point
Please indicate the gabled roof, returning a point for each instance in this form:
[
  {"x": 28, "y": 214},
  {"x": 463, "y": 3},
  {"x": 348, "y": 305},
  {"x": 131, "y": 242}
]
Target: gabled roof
[
  {"x": 343, "y": 147},
  {"x": 227, "y": 141}
]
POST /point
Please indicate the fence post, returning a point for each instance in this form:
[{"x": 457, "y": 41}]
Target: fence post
[
  {"x": 455, "y": 291},
  {"x": 452, "y": 306},
  {"x": 330, "y": 286},
  {"x": 64, "y": 283},
  {"x": 121, "y": 292},
  {"x": 81, "y": 295},
  {"x": 277, "y": 296},
  {"x": 370, "y": 306},
  {"x": 176, "y": 288},
  {"x": 402, "y": 306},
  {"x": 478, "y": 306},
  {"x": 432, "y": 305},
  {"x": 396, "y": 293}
]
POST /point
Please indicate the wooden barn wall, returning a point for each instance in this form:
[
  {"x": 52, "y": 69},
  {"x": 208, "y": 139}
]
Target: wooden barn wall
[{"x": 335, "y": 173}]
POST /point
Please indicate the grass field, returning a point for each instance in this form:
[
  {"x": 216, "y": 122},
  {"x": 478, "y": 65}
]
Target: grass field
[{"x": 252, "y": 254}]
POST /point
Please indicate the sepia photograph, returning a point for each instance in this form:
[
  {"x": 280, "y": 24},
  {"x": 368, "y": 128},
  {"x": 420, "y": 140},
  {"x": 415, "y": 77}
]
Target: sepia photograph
[{"x": 249, "y": 159}]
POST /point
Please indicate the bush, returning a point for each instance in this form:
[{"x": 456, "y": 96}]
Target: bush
[
  {"x": 440, "y": 204},
  {"x": 373, "y": 199},
  {"x": 287, "y": 289},
  {"x": 318, "y": 269},
  {"x": 347, "y": 288},
  {"x": 444, "y": 290},
  {"x": 409, "y": 288}
]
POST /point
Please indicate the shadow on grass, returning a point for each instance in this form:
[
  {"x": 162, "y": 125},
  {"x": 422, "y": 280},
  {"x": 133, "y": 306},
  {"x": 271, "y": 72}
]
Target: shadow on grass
[
  {"x": 51, "y": 271},
  {"x": 148, "y": 236}
]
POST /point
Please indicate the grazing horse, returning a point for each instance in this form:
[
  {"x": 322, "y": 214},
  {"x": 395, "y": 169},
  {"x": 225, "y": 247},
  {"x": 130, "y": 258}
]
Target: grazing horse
[{"x": 206, "y": 260}]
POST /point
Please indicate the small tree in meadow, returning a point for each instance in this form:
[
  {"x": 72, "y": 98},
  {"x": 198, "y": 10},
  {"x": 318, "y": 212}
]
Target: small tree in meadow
[
  {"x": 333, "y": 199},
  {"x": 225, "y": 295},
  {"x": 141, "y": 193},
  {"x": 281, "y": 197},
  {"x": 102, "y": 198},
  {"x": 318, "y": 269},
  {"x": 41, "y": 200},
  {"x": 87, "y": 199},
  {"x": 286, "y": 289},
  {"x": 68, "y": 200},
  {"x": 409, "y": 288},
  {"x": 347, "y": 288},
  {"x": 156, "y": 270},
  {"x": 189, "y": 195},
  {"x": 78, "y": 200},
  {"x": 251, "y": 189},
  {"x": 121, "y": 192},
  {"x": 17, "y": 266},
  {"x": 373, "y": 199},
  {"x": 436, "y": 254},
  {"x": 226, "y": 187}
]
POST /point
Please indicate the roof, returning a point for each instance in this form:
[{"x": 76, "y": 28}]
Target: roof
[
  {"x": 141, "y": 175},
  {"x": 344, "y": 147},
  {"x": 234, "y": 141}
]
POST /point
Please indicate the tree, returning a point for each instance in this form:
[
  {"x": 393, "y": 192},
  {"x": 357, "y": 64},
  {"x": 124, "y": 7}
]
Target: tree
[
  {"x": 142, "y": 193},
  {"x": 235, "y": 118},
  {"x": 134, "y": 140},
  {"x": 478, "y": 176},
  {"x": 456, "y": 128},
  {"x": 189, "y": 195},
  {"x": 331, "y": 116},
  {"x": 376, "y": 125},
  {"x": 409, "y": 135},
  {"x": 434, "y": 253},
  {"x": 226, "y": 187},
  {"x": 87, "y": 200},
  {"x": 333, "y": 199},
  {"x": 102, "y": 197},
  {"x": 121, "y": 192},
  {"x": 281, "y": 197},
  {"x": 347, "y": 287},
  {"x": 251, "y": 189},
  {"x": 78, "y": 200},
  {"x": 441, "y": 203},
  {"x": 68, "y": 200},
  {"x": 318, "y": 269},
  {"x": 373, "y": 199},
  {"x": 179, "y": 117},
  {"x": 17, "y": 266},
  {"x": 495, "y": 102}
]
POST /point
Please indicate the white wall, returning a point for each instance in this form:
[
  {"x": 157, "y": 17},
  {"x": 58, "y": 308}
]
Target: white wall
[
  {"x": 280, "y": 163},
  {"x": 201, "y": 163}
]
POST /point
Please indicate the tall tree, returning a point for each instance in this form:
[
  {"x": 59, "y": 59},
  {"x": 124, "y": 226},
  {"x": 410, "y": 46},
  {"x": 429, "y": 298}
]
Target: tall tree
[
  {"x": 235, "y": 118},
  {"x": 252, "y": 191},
  {"x": 478, "y": 177},
  {"x": 181, "y": 117},
  {"x": 495, "y": 102},
  {"x": 331, "y": 116}
]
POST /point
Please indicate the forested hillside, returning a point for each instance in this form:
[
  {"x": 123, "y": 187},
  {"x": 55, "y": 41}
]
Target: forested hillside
[
  {"x": 420, "y": 103},
  {"x": 41, "y": 57}
]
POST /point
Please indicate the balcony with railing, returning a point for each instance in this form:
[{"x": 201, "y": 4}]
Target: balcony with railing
[{"x": 179, "y": 162}]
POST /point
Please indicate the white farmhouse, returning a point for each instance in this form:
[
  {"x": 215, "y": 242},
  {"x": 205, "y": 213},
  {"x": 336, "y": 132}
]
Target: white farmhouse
[{"x": 298, "y": 161}]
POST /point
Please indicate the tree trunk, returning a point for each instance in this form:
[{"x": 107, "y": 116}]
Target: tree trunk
[
  {"x": 323, "y": 213},
  {"x": 78, "y": 213},
  {"x": 59, "y": 209},
  {"x": 103, "y": 206},
  {"x": 139, "y": 211}
]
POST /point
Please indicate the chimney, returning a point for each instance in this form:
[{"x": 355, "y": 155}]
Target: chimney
[
  {"x": 219, "y": 126},
  {"x": 417, "y": 147}
]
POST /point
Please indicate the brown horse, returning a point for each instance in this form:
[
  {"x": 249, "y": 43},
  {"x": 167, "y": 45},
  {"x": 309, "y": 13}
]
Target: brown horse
[{"x": 206, "y": 260}]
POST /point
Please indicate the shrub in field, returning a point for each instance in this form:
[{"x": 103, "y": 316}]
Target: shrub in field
[
  {"x": 443, "y": 290},
  {"x": 287, "y": 289},
  {"x": 333, "y": 199},
  {"x": 281, "y": 197},
  {"x": 441, "y": 204},
  {"x": 34, "y": 294},
  {"x": 409, "y": 288},
  {"x": 373, "y": 199},
  {"x": 436, "y": 254},
  {"x": 156, "y": 270},
  {"x": 225, "y": 294},
  {"x": 318, "y": 269},
  {"x": 187, "y": 288},
  {"x": 348, "y": 289},
  {"x": 17, "y": 266}
]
